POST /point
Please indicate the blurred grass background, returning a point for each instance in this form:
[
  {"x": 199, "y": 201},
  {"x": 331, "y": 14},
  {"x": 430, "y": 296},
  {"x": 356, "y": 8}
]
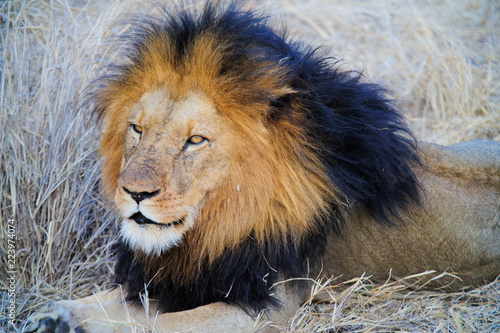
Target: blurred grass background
[{"x": 441, "y": 59}]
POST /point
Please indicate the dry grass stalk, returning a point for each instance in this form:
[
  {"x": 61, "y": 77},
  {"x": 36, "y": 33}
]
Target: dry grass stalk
[{"x": 440, "y": 57}]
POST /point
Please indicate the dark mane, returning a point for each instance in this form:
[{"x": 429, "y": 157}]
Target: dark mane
[{"x": 355, "y": 130}]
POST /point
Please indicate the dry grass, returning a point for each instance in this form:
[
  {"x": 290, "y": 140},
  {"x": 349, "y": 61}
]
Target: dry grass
[
  {"x": 442, "y": 60},
  {"x": 361, "y": 306}
]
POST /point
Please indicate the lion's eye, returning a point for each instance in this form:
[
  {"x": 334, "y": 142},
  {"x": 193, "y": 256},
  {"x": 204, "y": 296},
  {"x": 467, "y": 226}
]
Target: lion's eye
[
  {"x": 196, "y": 139},
  {"x": 136, "y": 128}
]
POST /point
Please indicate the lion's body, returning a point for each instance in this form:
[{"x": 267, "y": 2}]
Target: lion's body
[
  {"x": 456, "y": 230},
  {"x": 238, "y": 160}
]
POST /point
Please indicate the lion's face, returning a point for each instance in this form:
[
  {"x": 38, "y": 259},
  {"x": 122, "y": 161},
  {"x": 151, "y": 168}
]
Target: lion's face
[{"x": 174, "y": 152}]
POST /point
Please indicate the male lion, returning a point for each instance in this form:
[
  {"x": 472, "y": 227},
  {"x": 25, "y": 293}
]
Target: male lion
[{"x": 238, "y": 161}]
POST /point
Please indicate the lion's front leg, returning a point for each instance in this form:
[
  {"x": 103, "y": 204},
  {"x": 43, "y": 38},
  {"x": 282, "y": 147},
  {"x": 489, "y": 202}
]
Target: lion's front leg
[
  {"x": 109, "y": 312},
  {"x": 103, "y": 312}
]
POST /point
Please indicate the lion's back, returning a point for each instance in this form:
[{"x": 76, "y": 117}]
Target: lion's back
[{"x": 477, "y": 160}]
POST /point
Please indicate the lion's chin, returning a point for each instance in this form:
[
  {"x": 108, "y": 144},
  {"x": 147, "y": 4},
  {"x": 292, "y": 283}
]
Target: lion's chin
[{"x": 153, "y": 238}]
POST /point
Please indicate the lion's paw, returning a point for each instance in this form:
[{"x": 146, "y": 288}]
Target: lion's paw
[{"x": 54, "y": 318}]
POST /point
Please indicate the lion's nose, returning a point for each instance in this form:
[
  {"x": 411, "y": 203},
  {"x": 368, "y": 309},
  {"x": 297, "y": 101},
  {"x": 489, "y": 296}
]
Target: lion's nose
[{"x": 139, "y": 196}]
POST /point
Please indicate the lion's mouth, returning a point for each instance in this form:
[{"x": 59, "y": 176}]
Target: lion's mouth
[{"x": 143, "y": 220}]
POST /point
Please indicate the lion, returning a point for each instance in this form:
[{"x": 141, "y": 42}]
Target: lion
[{"x": 239, "y": 160}]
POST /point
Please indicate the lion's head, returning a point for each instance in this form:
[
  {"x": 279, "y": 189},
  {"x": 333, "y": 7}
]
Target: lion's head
[
  {"x": 220, "y": 137},
  {"x": 188, "y": 144}
]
